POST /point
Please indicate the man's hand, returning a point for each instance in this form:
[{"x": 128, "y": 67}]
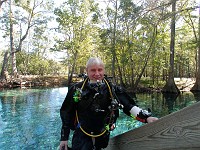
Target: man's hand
[
  {"x": 63, "y": 145},
  {"x": 112, "y": 127},
  {"x": 151, "y": 119}
]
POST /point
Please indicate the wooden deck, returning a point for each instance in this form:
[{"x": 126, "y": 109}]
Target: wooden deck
[{"x": 177, "y": 131}]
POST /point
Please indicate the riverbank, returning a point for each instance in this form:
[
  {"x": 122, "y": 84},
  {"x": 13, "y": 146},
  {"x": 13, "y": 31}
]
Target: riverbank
[
  {"x": 34, "y": 81},
  {"x": 184, "y": 84}
]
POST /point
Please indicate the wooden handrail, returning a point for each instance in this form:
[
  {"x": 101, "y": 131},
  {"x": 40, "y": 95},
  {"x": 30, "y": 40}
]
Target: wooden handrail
[{"x": 177, "y": 131}]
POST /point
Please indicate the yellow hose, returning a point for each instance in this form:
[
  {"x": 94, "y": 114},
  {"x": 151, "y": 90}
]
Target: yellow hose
[{"x": 91, "y": 135}]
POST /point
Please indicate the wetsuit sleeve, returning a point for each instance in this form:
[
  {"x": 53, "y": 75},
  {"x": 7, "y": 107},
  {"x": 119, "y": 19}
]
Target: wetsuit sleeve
[
  {"x": 67, "y": 113},
  {"x": 129, "y": 106},
  {"x": 125, "y": 99}
]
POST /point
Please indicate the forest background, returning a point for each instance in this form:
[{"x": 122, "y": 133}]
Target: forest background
[{"x": 146, "y": 42}]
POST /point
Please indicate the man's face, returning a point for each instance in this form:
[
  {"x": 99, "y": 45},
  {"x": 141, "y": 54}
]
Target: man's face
[{"x": 95, "y": 72}]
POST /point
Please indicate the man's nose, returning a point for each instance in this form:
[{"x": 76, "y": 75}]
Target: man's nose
[{"x": 97, "y": 72}]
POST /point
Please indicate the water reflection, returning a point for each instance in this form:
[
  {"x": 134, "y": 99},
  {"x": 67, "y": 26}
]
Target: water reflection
[
  {"x": 29, "y": 118},
  {"x": 196, "y": 96},
  {"x": 164, "y": 104},
  {"x": 170, "y": 99}
]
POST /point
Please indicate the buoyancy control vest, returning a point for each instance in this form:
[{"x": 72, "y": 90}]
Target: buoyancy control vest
[{"x": 99, "y": 100}]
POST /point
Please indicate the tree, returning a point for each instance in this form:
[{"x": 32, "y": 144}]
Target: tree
[
  {"x": 111, "y": 22},
  {"x": 196, "y": 86},
  {"x": 129, "y": 21},
  {"x": 170, "y": 85},
  {"x": 12, "y": 48},
  {"x": 77, "y": 29},
  {"x": 26, "y": 16},
  {"x": 4, "y": 69}
]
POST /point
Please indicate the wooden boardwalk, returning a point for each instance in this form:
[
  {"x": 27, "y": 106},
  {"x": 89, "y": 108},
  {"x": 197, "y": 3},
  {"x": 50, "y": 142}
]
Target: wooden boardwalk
[{"x": 177, "y": 131}]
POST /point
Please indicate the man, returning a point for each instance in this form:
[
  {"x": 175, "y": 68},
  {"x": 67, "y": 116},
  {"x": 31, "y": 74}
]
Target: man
[{"x": 91, "y": 108}]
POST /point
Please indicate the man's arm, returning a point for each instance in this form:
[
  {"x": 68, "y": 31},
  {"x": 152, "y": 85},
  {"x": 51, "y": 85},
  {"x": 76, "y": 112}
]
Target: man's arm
[{"x": 130, "y": 107}]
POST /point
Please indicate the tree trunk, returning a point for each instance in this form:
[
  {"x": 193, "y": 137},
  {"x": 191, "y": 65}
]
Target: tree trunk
[
  {"x": 120, "y": 73},
  {"x": 131, "y": 60},
  {"x": 13, "y": 56},
  {"x": 73, "y": 68},
  {"x": 170, "y": 86},
  {"x": 113, "y": 42},
  {"x": 4, "y": 70},
  {"x": 196, "y": 86},
  {"x": 146, "y": 59}
]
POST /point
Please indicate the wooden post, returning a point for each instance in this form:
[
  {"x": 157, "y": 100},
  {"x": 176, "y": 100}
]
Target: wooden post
[{"x": 177, "y": 131}]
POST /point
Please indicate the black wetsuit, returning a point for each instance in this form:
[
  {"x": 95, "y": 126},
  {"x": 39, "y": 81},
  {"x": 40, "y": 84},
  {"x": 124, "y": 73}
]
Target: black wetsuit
[{"x": 94, "y": 112}]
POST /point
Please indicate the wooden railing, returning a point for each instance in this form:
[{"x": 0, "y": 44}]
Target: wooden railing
[{"x": 177, "y": 131}]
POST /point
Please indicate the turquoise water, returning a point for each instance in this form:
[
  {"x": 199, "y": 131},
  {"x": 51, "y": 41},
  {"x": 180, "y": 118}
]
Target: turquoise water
[{"x": 29, "y": 118}]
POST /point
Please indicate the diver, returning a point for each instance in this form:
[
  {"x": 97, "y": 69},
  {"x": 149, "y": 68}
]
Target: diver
[{"x": 91, "y": 108}]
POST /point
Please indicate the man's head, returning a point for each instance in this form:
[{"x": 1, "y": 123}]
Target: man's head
[{"x": 95, "y": 69}]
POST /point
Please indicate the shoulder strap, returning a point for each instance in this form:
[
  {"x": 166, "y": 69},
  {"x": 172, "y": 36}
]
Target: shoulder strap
[
  {"x": 112, "y": 97},
  {"x": 109, "y": 88}
]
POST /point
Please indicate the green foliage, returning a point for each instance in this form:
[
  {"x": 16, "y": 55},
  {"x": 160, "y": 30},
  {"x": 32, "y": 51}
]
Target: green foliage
[
  {"x": 148, "y": 82},
  {"x": 37, "y": 65},
  {"x": 81, "y": 35},
  {"x": 127, "y": 34}
]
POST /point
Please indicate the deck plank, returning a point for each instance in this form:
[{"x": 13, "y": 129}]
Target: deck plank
[{"x": 177, "y": 131}]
